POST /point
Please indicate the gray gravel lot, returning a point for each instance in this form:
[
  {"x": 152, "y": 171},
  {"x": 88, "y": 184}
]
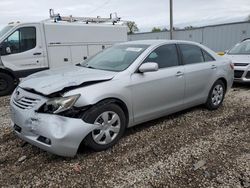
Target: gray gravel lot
[{"x": 193, "y": 148}]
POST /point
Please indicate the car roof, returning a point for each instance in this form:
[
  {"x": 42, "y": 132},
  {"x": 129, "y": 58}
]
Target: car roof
[{"x": 158, "y": 42}]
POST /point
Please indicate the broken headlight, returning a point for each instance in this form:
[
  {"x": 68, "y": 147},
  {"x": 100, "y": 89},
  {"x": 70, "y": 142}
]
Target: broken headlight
[{"x": 60, "y": 104}]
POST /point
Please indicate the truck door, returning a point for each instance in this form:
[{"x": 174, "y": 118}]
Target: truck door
[{"x": 23, "y": 52}]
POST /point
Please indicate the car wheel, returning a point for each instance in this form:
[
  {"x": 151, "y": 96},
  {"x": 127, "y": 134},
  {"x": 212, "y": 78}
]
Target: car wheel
[
  {"x": 112, "y": 121},
  {"x": 216, "y": 95},
  {"x": 7, "y": 84}
]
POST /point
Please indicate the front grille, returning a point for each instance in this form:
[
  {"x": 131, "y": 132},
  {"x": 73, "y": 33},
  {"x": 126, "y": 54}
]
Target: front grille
[
  {"x": 241, "y": 64},
  {"x": 248, "y": 75},
  {"x": 25, "y": 102},
  {"x": 238, "y": 74}
]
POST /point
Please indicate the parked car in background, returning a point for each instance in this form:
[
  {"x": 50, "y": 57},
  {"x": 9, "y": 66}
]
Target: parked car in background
[
  {"x": 26, "y": 48},
  {"x": 122, "y": 86},
  {"x": 240, "y": 56}
]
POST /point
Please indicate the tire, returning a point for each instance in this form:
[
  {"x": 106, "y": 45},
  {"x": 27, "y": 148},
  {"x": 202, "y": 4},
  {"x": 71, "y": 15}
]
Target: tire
[
  {"x": 216, "y": 95},
  {"x": 7, "y": 84},
  {"x": 98, "y": 140}
]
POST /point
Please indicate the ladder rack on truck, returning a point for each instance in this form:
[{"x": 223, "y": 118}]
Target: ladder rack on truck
[
  {"x": 52, "y": 43},
  {"x": 112, "y": 19}
]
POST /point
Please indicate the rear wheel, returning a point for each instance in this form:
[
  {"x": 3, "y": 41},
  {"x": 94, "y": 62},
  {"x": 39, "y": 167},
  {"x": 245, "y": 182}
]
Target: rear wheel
[
  {"x": 216, "y": 95},
  {"x": 7, "y": 84},
  {"x": 112, "y": 123}
]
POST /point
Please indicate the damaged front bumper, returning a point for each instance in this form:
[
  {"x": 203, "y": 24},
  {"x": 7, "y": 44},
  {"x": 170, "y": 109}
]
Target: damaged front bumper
[{"x": 56, "y": 134}]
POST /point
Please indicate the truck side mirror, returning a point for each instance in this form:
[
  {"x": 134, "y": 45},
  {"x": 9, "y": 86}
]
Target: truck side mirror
[
  {"x": 8, "y": 50},
  {"x": 4, "y": 49}
]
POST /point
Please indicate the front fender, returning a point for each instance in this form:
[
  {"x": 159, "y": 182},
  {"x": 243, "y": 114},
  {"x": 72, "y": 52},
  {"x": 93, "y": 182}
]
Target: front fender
[{"x": 115, "y": 89}]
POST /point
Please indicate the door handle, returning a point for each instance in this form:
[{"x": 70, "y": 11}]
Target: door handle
[
  {"x": 37, "y": 53},
  {"x": 213, "y": 67},
  {"x": 179, "y": 73}
]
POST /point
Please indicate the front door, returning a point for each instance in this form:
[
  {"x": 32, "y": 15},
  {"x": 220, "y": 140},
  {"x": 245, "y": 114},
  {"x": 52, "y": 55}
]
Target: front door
[{"x": 155, "y": 94}]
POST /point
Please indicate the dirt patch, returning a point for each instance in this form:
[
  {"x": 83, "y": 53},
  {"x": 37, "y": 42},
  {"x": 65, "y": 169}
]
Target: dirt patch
[{"x": 159, "y": 153}]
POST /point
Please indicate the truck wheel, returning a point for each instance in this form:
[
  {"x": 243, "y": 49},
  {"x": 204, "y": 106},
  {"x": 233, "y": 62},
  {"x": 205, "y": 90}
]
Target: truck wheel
[
  {"x": 113, "y": 124},
  {"x": 216, "y": 95},
  {"x": 7, "y": 84}
]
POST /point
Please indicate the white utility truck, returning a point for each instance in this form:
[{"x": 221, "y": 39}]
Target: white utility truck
[{"x": 26, "y": 48}]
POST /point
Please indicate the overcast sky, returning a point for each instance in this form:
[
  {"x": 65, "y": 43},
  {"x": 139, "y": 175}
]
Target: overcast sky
[{"x": 146, "y": 13}]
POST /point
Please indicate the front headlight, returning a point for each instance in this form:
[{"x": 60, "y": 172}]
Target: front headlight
[{"x": 60, "y": 104}]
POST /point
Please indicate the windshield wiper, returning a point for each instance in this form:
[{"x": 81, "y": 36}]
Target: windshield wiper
[
  {"x": 85, "y": 65},
  {"x": 90, "y": 67}
]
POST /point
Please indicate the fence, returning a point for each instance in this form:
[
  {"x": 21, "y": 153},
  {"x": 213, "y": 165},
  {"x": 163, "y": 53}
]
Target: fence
[{"x": 217, "y": 37}]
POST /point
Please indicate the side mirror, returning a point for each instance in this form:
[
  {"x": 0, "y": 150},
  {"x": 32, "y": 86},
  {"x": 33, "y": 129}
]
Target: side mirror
[
  {"x": 8, "y": 50},
  {"x": 4, "y": 50},
  {"x": 148, "y": 67},
  {"x": 226, "y": 51}
]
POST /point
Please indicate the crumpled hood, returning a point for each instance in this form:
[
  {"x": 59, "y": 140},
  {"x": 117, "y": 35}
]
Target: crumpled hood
[
  {"x": 54, "y": 80},
  {"x": 238, "y": 58}
]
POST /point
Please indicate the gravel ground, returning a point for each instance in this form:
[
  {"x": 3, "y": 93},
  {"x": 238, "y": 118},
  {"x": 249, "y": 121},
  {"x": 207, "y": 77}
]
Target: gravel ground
[{"x": 193, "y": 148}]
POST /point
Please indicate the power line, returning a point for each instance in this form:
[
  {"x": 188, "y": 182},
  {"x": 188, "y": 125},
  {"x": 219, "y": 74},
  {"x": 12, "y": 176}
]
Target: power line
[{"x": 101, "y": 6}]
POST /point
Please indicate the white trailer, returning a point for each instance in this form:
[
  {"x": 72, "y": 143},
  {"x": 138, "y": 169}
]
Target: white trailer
[{"x": 26, "y": 48}]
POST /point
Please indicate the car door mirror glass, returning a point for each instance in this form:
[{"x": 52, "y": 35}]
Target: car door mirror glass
[{"x": 148, "y": 67}]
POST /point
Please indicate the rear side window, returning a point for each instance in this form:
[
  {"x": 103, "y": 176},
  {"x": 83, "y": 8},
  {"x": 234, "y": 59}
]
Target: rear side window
[
  {"x": 207, "y": 56},
  {"x": 22, "y": 40},
  {"x": 165, "y": 56},
  {"x": 191, "y": 54}
]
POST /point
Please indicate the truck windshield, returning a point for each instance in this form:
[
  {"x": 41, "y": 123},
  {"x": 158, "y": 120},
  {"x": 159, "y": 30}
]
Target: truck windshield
[
  {"x": 5, "y": 30},
  {"x": 241, "y": 48},
  {"x": 116, "y": 58}
]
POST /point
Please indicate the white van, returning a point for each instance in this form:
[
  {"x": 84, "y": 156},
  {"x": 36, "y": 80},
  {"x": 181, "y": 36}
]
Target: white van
[{"x": 26, "y": 48}]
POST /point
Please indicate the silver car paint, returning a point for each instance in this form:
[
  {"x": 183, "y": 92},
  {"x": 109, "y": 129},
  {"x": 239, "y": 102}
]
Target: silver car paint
[
  {"x": 59, "y": 129},
  {"x": 147, "y": 96},
  {"x": 47, "y": 82}
]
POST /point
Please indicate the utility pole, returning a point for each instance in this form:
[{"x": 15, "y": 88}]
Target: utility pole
[{"x": 171, "y": 18}]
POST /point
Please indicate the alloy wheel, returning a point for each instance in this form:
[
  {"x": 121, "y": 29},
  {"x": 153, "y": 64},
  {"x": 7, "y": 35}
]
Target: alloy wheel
[
  {"x": 217, "y": 95},
  {"x": 110, "y": 125}
]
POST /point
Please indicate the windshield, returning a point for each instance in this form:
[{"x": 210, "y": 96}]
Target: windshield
[
  {"x": 241, "y": 48},
  {"x": 116, "y": 58},
  {"x": 5, "y": 30}
]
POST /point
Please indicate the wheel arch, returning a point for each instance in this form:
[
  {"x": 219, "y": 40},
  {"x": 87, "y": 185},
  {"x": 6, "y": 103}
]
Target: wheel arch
[
  {"x": 118, "y": 102},
  {"x": 9, "y": 72},
  {"x": 224, "y": 82}
]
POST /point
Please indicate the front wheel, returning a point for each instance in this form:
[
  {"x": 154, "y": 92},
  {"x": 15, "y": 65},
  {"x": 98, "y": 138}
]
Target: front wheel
[
  {"x": 112, "y": 123},
  {"x": 216, "y": 95}
]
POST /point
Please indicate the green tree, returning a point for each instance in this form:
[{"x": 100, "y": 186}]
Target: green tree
[
  {"x": 188, "y": 27},
  {"x": 132, "y": 27},
  {"x": 156, "y": 29}
]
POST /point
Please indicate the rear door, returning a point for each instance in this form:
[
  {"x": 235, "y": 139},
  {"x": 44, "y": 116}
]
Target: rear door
[
  {"x": 157, "y": 93},
  {"x": 200, "y": 70}
]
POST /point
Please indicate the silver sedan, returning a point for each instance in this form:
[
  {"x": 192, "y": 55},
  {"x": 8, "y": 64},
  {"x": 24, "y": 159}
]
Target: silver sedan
[{"x": 130, "y": 83}]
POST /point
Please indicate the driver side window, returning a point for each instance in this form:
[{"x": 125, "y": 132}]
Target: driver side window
[
  {"x": 165, "y": 56},
  {"x": 21, "y": 40},
  {"x": 13, "y": 42}
]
